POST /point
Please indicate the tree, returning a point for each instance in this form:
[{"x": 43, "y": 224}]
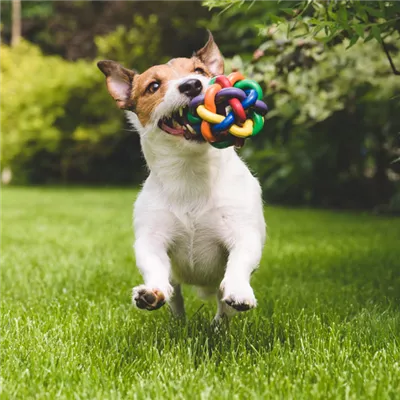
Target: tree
[
  {"x": 332, "y": 21},
  {"x": 16, "y": 22}
]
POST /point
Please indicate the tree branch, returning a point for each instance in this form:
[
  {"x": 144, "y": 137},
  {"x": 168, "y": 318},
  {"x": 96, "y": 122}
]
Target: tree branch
[{"x": 390, "y": 59}]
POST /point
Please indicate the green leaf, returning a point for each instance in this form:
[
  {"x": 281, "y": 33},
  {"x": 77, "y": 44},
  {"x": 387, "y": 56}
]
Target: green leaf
[
  {"x": 359, "y": 29},
  {"x": 275, "y": 19},
  {"x": 333, "y": 32},
  {"x": 353, "y": 41},
  {"x": 288, "y": 11},
  {"x": 373, "y": 11},
  {"x": 376, "y": 33},
  {"x": 289, "y": 27},
  {"x": 369, "y": 37},
  {"x": 363, "y": 15},
  {"x": 342, "y": 14}
]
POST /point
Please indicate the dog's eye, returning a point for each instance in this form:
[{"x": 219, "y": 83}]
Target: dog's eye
[
  {"x": 153, "y": 87},
  {"x": 199, "y": 70}
]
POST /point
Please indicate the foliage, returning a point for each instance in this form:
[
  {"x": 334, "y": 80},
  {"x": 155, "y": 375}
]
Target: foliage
[
  {"x": 327, "y": 324},
  {"x": 70, "y": 28},
  {"x": 237, "y": 28},
  {"x": 72, "y": 131},
  {"x": 328, "y": 21},
  {"x": 28, "y": 113},
  {"x": 136, "y": 47},
  {"x": 332, "y": 132},
  {"x": 352, "y": 19},
  {"x": 32, "y": 9},
  {"x": 56, "y": 118},
  {"x": 344, "y": 19}
]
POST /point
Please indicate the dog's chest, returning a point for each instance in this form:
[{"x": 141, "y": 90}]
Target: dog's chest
[{"x": 198, "y": 255}]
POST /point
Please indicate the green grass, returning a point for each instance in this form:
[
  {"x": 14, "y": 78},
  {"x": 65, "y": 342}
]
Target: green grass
[{"x": 327, "y": 325}]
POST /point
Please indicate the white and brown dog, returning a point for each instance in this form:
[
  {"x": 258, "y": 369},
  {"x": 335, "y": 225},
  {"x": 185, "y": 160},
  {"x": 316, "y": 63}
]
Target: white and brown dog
[{"x": 199, "y": 217}]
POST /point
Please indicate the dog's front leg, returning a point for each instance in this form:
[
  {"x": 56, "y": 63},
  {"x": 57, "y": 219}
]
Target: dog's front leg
[
  {"x": 245, "y": 250},
  {"x": 154, "y": 264}
]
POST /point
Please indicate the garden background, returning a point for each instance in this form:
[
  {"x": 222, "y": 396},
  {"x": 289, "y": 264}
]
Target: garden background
[
  {"x": 327, "y": 323},
  {"x": 331, "y": 138}
]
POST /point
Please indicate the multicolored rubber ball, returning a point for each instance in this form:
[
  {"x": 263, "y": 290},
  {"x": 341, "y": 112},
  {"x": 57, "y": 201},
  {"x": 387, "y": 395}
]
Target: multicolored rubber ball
[{"x": 230, "y": 111}]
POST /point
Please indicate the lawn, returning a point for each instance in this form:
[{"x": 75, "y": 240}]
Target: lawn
[{"x": 327, "y": 325}]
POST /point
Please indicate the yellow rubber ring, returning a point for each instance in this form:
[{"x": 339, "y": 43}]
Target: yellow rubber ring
[
  {"x": 209, "y": 116},
  {"x": 242, "y": 131},
  {"x": 236, "y": 130}
]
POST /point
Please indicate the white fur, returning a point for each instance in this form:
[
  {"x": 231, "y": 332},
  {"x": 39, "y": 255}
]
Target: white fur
[{"x": 199, "y": 217}]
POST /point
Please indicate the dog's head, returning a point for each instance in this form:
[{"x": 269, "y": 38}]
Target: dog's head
[{"x": 156, "y": 99}]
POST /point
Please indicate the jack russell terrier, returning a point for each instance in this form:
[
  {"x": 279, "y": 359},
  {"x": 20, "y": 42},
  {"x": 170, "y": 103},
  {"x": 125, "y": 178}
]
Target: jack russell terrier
[{"x": 199, "y": 217}]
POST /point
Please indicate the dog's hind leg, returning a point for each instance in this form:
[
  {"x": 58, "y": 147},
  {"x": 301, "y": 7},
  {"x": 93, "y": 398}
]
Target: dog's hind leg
[
  {"x": 224, "y": 312},
  {"x": 176, "y": 302}
]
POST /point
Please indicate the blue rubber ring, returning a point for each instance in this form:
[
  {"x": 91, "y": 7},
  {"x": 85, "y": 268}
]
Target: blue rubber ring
[
  {"x": 251, "y": 98},
  {"x": 229, "y": 120},
  {"x": 225, "y": 124}
]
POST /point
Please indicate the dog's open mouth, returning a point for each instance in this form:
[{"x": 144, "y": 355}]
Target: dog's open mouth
[{"x": 177, "y": 124}]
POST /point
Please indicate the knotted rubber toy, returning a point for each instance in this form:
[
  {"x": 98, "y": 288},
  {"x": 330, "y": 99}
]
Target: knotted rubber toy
[{"x": 242, "y": 97}]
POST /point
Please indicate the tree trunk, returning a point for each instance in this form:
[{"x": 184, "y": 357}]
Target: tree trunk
[{"x": 16, "y": 22}]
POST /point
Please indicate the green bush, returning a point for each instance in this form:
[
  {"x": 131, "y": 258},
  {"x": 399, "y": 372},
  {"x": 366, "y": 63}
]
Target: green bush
[
  {"x": 134, "y": 47},
  {"x": 330, "y": 138},
  {"x": 333, "y": 129},
  {"x": 58, "y": 122}
]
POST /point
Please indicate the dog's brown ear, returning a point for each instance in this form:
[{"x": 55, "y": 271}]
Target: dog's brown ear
[
  {"x": 119, "y": 82},
  {"x": 211, "y": 56}
]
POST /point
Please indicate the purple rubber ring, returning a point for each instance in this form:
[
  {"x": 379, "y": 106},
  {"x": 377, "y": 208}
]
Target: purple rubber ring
[
  {"x": 230, "y": 93},
  {"x": 261, "y": 107},
  {"x": 224, "y": 95},
  {"x": 195, "y": 102}
]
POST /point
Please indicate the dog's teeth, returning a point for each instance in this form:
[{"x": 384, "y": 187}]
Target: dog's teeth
[
  {"x": 181, "y": 111},
  {"x": 190, "y": 129},
  {"x": 176, "y": 124}
]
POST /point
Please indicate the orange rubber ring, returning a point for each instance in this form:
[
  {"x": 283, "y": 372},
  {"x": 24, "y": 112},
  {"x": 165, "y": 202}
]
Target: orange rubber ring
[
  {"x": 209, "y": 98},
  {"x": 206, "y": 132},
  {"x": 235, "y": 76}
]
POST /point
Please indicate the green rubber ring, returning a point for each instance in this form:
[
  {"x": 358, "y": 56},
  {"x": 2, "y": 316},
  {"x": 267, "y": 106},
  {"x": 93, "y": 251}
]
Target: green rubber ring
[
  {"x": 212, "y": 81},
  {"x": 258, "y": 123},
  {"x": 192, "y": 119},
  {"x": 249, "y": 84},
  {"x": 222, "y": 145}
]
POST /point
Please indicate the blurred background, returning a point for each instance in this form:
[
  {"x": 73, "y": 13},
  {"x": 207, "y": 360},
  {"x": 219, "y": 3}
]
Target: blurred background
[{"x": 331, "y": 138}]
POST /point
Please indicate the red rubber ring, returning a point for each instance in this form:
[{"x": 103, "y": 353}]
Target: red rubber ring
[
  {"x": 238, "y": 109},
  {"x": 239, "y": 142},
  {"x": 223, "y": 81},
  {"x": 236, "y": 105}
]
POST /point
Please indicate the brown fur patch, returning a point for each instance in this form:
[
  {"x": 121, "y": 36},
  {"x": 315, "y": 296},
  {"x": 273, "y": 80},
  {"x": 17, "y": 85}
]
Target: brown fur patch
[
  {"x": 145, "y": 102},
  {"x": 129, "y": 89}
]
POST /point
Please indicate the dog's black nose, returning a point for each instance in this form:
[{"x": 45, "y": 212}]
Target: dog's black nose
[{"x": 191, "y": 88}]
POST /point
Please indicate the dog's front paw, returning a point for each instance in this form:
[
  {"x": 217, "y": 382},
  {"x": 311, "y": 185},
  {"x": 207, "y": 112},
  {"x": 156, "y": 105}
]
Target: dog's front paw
[
  {"x": 147, "y": 299},
  {"x": 240, "y": 297}
]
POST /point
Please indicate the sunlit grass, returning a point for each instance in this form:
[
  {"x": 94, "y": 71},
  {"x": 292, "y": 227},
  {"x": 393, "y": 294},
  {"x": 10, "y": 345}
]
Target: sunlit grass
[{"x": 327, "y": 325}]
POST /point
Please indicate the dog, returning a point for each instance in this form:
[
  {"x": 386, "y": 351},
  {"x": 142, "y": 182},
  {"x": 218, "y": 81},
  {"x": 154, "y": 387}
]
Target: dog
[{"x": 198, "y": 219}]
